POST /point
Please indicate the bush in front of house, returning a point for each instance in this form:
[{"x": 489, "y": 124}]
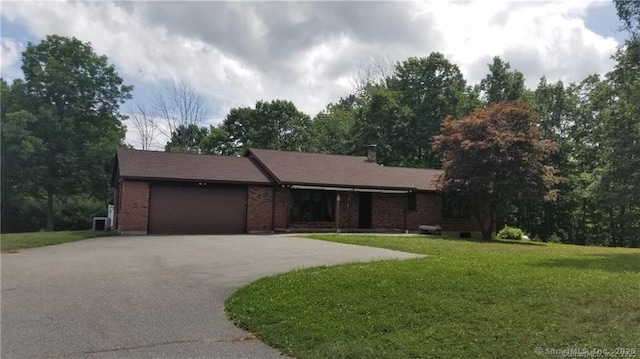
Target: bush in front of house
[{"x": 510, "y": 233}]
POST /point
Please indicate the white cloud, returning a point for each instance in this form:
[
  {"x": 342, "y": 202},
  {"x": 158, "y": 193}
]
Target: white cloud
[
  {"x": 538, "y": 38},
  {"x": 10, "y": 56},
  {"x": 238, "y": 53}
]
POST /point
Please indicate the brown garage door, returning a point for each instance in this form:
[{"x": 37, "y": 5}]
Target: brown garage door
[{"x": 193, "y": 209}]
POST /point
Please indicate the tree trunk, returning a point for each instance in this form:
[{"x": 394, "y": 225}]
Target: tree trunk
[
  {"x": 486, "y": 225},
  {"x": 486, "y": 222},
  {"x": 49, "y": 210}
]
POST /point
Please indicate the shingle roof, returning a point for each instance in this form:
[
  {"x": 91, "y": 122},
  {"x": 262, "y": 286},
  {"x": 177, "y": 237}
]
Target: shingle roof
[
  {"x": 341, "y": 171},
  {"x": 290, "y": 168},
  {"x": 184, "y": 166}
]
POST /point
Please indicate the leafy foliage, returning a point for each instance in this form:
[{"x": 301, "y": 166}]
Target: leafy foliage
[
  {"x": 500, "y": 84},
  {"x": 510, "y": 233},
  {"x": 629, "y": 14},
  {"x": 187, "y": 139},
  {"x": 331, "y": 131},
  {"x": 493, "y": 158},
  {"x": 61, "y": 125},
  {"x": 274, "y": 125}
]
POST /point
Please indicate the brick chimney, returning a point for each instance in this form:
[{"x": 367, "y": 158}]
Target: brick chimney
[{"x": 372, "y": 155}]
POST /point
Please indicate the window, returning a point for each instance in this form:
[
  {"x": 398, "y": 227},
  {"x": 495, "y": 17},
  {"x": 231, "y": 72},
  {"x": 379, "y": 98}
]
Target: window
[
  {"x": 312, "y": 206},
  {"x": 412, "y": 201},
  {"x": 453, "y": 206}
]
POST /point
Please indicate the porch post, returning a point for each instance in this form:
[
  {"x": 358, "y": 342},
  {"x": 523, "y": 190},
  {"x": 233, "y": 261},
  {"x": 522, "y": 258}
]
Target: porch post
[
  {"x": 273, "y": 209},
  {"x": 338, "y": 213},
  {"x": 349, "y": 209},
  {"x": 406, "y": 205}
]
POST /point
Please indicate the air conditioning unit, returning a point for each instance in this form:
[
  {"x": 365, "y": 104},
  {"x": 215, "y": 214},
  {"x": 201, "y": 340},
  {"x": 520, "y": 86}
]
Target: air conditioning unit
[{"x": 101, "y": 223}]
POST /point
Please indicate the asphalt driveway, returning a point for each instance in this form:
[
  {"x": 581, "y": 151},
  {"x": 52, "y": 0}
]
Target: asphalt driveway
[{"x": 147, "y": 297}]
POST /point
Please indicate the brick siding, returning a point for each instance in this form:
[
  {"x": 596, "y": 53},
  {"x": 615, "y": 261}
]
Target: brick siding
[
  {"x": 281, "y": 210},
  {"x": 263, "y": 215},
  {"x": 428, "y": 211},
  {"x": 388, "y": 210},
  {"x": 259, "y": 209},
  {"x": 133, "y": 210}
]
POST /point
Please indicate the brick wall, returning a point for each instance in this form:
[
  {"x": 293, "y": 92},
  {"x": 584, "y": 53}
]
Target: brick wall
[
  {"x": 388, "y": 210},
  {"x": 428, "y": 211},
  {"x": 281, "y": 210},
  {"x": 134, "y": 207},
  {"x": 259, "y": 209}
]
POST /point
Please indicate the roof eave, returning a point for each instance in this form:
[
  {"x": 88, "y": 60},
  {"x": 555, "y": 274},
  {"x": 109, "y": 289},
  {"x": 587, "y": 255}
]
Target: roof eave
[
  {"x": 349, "y": 186},
  {"x": 172, "y": 179}
]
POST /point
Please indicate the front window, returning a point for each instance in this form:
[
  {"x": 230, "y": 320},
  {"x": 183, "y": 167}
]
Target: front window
[{"x": 312, "y": 206}]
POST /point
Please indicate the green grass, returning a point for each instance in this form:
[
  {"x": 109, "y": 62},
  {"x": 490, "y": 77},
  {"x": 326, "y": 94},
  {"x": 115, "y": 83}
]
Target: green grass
[
  {"x": 466, "y": 300},
  {"x": 15, "y": 241}
]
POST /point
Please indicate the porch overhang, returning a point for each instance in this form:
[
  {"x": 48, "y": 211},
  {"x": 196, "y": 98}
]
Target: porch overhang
[{"x": 352, "y": 189}]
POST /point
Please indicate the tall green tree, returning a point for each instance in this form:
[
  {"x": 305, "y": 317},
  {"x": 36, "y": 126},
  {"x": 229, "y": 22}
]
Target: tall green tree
[
  {"x": 501, "y": 84},
  {"x": 431, "y": 88},
  {"x": 274, "y": 125},
  {"x": 593, "y": 96},
  {"x": 216, "y": 142},
  {"x": 75, "y": 97},
  {"x": 619, "y": 186},
  {"x": 382, "y": 121},
  {"x": 20, "y": 152},
  {"x": 556, "y": 106},
  {"x": 331, "y": 130},
  {"x": 493, "y": 159},
  {"x": 187, "y": 139}
]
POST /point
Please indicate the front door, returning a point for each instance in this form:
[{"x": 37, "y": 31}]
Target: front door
[{"x": 364, "y": 210}]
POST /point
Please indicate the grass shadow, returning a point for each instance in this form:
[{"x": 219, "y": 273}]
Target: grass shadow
[
  {"x": 619, "y": 262},
  {"x": 480, "y": 240}
]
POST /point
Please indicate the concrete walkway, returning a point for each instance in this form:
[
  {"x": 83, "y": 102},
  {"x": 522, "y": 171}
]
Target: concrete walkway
[{"x": 147, "y": 297}]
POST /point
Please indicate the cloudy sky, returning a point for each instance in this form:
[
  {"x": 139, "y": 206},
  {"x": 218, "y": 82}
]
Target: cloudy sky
[{"x": 235, "y": 53}]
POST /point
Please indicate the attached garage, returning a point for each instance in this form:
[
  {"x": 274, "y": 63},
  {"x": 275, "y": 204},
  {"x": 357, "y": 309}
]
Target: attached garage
[
  {"x": 194, "y": 208},
  {"x": 183, "y": 193}
]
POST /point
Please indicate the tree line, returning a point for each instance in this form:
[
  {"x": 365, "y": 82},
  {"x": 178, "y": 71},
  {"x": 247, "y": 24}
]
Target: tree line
[{"x": 60, "y": 127}]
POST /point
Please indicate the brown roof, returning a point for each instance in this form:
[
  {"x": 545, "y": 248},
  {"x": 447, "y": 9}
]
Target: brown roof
[
  {"x": 185, "y": 166},
  {"x": 341, "y": 171}
]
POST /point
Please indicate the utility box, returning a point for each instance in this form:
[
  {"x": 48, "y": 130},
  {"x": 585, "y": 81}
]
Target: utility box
[{"x": 101, "y": 223}]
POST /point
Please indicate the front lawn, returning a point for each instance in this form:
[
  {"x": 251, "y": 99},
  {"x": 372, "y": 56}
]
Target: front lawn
[
  {"x": 14, "y": 241},
  {"x": 466, "y": 300}
]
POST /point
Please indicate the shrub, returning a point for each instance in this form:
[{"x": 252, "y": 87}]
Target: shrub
[
  {"x": 74, "y": 213},
  {"x": 510, "y": 233}
]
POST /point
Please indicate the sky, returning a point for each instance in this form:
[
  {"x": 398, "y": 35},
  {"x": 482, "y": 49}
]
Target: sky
[{"x": 237, "y": 53}]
